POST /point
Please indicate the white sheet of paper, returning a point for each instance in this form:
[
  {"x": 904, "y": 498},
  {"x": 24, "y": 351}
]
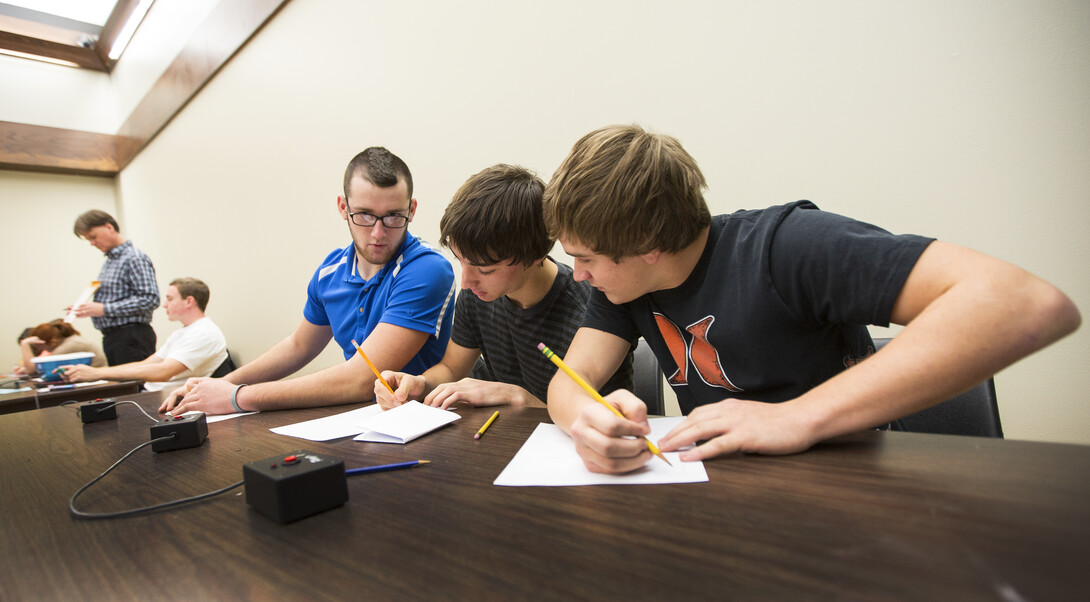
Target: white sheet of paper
[
  {"x": 340, "y": 425},
  {"x": 404, "y": 423},
  {"x": 548, "y": 458},
  {"x": 61, "y": 385},
  {"x": 84, "y": 297},
  {"x": 219, "y": 417}
]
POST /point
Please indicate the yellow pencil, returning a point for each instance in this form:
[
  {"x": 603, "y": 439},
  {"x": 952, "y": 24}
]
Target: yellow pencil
[
  {"x": 590, "y": 390},
  {"x": 487, "y": 424},
  {"x": 373, "y": 368}
]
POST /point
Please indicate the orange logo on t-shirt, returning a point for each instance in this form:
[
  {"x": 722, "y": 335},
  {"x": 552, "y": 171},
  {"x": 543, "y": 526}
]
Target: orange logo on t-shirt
[{"x": 694, "y": 349}]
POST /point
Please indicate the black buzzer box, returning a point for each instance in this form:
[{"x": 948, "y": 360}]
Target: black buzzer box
[{"x": 295, "y": 485}]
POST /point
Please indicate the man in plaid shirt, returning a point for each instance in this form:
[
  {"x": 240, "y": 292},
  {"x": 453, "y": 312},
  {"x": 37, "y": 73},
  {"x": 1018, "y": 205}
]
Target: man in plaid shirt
[{"x": 127, "y": 293}]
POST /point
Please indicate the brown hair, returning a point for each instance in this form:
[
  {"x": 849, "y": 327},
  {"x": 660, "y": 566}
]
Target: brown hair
[
  {"x": 623, "y": 191},
  {"x": 496, "y": 216},
  {"x": 53, "y": 333},
  {"x": 191, "y": 287},
  {"x": 93, "y": 219},
  {"x": 379, "y": 167}
]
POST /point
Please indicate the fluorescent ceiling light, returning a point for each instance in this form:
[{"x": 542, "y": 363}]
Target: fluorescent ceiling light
[
  {"x": 44, "y": 59},
  {"x": 129, "y": 29},
  {"x": 88, "y": 11}
]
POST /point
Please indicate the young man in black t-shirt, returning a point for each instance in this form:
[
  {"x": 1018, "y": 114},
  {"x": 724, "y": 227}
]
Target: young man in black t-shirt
[{"x": 766, "y": 306}]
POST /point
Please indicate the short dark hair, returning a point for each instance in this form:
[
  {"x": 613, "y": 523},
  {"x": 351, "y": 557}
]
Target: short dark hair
[
  {"x": 191, "y": 287},
  {"x": 496, "y": 216},
  {"x": 93, "y": 219},
  {"x": 379, "y": 167}
]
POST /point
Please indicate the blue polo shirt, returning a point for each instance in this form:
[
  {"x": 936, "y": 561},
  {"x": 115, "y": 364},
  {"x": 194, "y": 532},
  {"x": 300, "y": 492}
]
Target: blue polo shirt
[{"x": 414, "y": 290}]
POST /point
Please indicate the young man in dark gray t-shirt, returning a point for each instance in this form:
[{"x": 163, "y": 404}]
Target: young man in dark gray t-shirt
[{"x": 514, "y": 296}]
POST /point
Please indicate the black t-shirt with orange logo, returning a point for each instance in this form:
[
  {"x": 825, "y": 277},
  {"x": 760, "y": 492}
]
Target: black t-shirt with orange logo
[{"x": 777, "y": 304}]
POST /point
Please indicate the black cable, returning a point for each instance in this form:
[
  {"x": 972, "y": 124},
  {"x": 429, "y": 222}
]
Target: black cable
[
  {"x": 117, "y": 403},
  {"x": 134, "y": 511}
]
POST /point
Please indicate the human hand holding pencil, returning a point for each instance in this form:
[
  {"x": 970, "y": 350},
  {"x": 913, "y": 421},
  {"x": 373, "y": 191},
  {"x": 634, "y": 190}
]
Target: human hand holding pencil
[
  {"x": 594, "y": 394},
  {"x": 406, "y": 388}
]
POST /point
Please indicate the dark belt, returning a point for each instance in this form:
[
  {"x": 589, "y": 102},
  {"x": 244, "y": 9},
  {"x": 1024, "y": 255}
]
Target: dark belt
[{"x": 110, "y": 329}]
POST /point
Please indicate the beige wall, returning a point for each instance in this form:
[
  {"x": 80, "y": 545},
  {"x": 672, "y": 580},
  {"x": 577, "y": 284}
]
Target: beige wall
[
  {"x": 962, "y": 120},
  {"x": 46, "y": 267}
]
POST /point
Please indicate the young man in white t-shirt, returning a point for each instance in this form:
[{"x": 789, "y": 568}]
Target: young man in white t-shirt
[{"x": 196, "y": 349}]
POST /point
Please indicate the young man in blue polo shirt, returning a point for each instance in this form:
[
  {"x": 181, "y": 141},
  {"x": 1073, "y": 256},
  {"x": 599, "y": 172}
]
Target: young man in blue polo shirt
[{"x": 387, "y": 290}]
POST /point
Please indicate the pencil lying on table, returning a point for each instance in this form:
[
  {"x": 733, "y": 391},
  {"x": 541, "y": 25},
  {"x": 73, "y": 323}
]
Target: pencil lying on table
[
  {"x": 384, "y": 467},
  {"x": 373, "y": 368},
  {"x": 590, "y": 391},
  {"x": 487, "y": 424}
]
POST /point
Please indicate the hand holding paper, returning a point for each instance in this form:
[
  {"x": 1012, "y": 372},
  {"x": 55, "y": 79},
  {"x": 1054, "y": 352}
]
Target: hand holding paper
[{"x": 83, "y": 298}]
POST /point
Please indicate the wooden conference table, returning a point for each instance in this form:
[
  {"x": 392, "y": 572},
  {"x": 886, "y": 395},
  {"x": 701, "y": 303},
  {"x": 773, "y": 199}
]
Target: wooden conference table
[
  {"x": 870, "y": 516},
  {"x": 48, "y": 395}
]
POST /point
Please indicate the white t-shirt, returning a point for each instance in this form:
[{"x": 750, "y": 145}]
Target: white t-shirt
[{"x": 200, "y": 347}]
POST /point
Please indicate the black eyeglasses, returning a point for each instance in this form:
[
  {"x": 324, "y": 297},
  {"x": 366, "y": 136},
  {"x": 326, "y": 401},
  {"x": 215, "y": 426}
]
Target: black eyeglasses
[{"x": 362, "y": 218}]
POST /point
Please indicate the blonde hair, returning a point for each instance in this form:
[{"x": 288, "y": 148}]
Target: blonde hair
[{"x": 623, "y": 191}]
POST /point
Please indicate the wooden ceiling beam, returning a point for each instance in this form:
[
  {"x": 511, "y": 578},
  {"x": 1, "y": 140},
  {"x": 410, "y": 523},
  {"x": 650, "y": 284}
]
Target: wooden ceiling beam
[
  {"x": 77, "y": 56},
  {"x": 226, "y": 30},
  {"x": 56, "y": 150}
]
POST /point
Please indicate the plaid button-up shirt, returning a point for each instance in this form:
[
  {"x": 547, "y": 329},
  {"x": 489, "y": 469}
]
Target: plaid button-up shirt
[{"x": 127, "y": 287}]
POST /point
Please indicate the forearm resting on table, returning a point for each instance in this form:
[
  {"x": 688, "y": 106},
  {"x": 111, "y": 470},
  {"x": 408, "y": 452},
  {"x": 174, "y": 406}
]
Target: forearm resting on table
[
  {"x": 147, "y": 370},
  {"x": 516, "y": 395},
  {"x": 337, "y": 385},
  {"x": 287, "y": 357}
]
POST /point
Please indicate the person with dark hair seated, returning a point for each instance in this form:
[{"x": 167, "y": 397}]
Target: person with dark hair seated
[
  {"x": 387, "y": 289},
  {"x": 54, "y": 338},
  {"x": 759, "y": 317},
  {"x": 513, "y": 297}
]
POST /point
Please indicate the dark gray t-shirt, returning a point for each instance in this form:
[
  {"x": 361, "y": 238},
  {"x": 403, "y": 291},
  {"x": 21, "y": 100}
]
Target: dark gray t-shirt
[
  {"x": 508, "y": 335},
  {"x": 777, "y": 304}
]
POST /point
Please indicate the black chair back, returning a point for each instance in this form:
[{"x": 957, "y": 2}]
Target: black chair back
[
  {"x": 647, "y": 379},
  {"x": 974, "y": 413},
  {"x": 228, "y": 366}
]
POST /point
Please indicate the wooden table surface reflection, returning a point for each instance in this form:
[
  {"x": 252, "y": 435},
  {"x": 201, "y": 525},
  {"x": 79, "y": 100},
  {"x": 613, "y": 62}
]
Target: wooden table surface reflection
[
  {"x": 869, "y": 516},
  {"x": 48, "y": 395}
]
